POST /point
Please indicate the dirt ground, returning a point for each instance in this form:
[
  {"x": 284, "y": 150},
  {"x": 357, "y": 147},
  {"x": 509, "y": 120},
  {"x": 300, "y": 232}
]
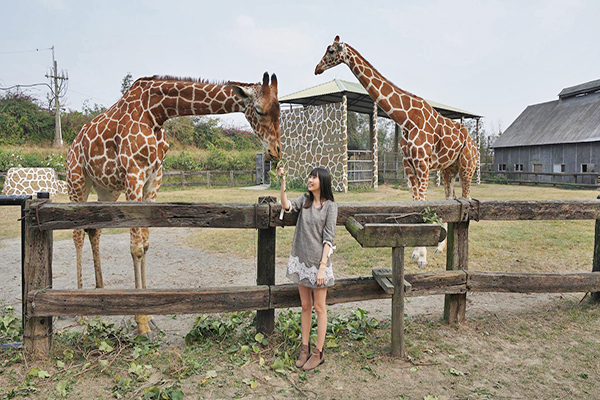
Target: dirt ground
[{"x": 173, "y": 265}]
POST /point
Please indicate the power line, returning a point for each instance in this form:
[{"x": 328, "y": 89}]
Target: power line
[
  {"x": 19, "y": 86},
  {"x": 24, "y": 51}
]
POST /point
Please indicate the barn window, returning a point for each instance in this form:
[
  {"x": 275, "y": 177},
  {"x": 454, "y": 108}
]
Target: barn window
[
  {"x": 586, "y": 168},
  {"x": 501, "y": 167},
  {"x": 558, "y": 168},
  {"x": 537, "y": 168},
  {"x": 518, "y": 167}
]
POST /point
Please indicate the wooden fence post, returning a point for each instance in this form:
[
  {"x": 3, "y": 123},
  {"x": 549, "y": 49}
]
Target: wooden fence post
[
  {"x": 182, "y": 180},
  {"x": 457, "y": 259},
  {"x": 207, "y": 179},
  {"x": 231, "y": 178},
  {"x": 37, "y": 332},
  {"x": 596, "y": 262},
  {"x": 398, "y": 302},
  {"x": 265, "y": 272}
]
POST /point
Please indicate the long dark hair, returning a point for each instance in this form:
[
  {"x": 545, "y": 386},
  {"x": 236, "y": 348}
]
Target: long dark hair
[{"x": 325, "y": 180}]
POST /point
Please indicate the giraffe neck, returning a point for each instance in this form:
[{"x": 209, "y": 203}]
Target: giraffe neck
[
  {"x": 169, "y": 99},
  {"x": 380, "y": 89}
]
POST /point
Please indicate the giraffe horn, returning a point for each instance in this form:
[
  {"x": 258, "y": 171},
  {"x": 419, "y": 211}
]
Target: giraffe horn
[
  {"x": 265, "y": 79},
  {"x": 274, "y": 81},
  {"x": 337, "y": 39}
]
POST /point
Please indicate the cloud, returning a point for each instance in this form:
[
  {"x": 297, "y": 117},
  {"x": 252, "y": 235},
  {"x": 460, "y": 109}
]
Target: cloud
[{"x": 271, "y": 42}]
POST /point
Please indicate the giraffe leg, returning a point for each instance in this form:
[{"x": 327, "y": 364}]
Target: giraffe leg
[
  {"x": 449, "y": 175},
  {"x": 421, "y": 169},
  {"x": 79, "y": 189},
  {"x": 94, "y": 236},
  {"x": 78, "y": 239},
  {"x": 134, "y": 192},
  {"x": 467, "y": 164},
  {"x": 150, "y": 195}
]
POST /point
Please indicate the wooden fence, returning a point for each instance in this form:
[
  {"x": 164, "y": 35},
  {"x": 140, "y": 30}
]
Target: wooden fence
[
  {"x": 587, "y": 180},
  {"x": 41, "y": 302}
]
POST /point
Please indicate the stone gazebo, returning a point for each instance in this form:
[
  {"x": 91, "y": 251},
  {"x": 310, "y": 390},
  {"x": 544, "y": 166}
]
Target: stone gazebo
[{"x": 314, "y": 129}]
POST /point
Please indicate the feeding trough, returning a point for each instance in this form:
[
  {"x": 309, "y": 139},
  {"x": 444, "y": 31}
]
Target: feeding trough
[{"x": 380, "y": 230}]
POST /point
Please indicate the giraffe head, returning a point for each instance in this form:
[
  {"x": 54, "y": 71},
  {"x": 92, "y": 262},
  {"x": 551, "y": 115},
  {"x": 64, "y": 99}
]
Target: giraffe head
[
  {"x": 261, "y": 107},
  {"x": 336, "y": 54}
]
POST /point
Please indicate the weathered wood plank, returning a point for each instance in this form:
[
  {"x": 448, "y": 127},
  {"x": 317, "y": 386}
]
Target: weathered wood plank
[
  {"x": 455, "y": 305},
  {"x": 37, "y": 271},
  {"x": 517, "y": 282},
  {"x": 383, "y": 275},
  {"x": 265, "y": 274},
  {"x": 452, "y": 210},
  {"x": 596, "y": 258},
  {"x": 385, "y": 282},
  {"x": 397, "y": 345},
  {"x": 130, "y": 214},
  {"x": 395, "y": 235},
  {"x": 146, "y": 301}
]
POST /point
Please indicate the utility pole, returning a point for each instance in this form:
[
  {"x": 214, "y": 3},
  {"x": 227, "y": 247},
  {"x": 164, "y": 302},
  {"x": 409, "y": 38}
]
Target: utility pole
[{"x": 58, "y": 142}]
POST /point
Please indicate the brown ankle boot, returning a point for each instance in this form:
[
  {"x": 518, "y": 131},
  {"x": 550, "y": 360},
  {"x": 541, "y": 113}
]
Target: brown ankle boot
[
  {"x": 303, "y": 357},
  {"x": 316, "y": 359}
]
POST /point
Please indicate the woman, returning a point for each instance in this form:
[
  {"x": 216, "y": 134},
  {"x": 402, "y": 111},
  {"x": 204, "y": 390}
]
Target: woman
[{"x": 309, "y": 264}]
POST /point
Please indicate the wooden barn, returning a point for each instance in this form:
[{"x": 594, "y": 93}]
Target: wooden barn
[{"x": 558, "y": 140}]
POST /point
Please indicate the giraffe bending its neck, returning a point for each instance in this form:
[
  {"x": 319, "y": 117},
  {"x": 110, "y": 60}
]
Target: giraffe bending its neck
[
  {"x": 429, "y": 141},
  {"x": 123, "y": 148}
]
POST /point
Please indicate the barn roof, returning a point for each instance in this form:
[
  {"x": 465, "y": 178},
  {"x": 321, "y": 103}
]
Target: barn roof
[
  {"x": 571, "y": 119},
  {"x": 359, "y": 99}
]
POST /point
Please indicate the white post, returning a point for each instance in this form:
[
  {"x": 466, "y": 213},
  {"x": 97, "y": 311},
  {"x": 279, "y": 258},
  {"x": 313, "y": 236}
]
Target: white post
[
  {"x": 375, "y": 149},
  {"x": 345, "y": 141}
]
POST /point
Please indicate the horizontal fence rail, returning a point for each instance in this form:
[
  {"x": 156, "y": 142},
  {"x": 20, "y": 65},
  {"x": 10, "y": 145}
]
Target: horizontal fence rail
[
  {"x": 230, "y": 215},
  {"x": 263, "y": 297}
]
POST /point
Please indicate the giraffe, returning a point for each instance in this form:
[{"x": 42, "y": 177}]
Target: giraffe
[
  {"x": 123, "y": 149},
  {"x": 429, "y": 141}
]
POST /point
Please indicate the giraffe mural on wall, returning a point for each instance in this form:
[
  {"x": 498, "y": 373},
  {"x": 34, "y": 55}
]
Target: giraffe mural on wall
[
  {"x": 123, "y": 148},
  {"x": 429, "y": 141}
]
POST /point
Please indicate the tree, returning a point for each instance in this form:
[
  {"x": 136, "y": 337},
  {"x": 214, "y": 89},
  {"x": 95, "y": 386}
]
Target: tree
[
  {"x": 23, "y": 119},
  {"x": 126, "y": 83}
]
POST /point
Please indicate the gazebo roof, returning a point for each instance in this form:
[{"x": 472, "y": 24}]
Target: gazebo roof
[{"x": 359, "y": 99}]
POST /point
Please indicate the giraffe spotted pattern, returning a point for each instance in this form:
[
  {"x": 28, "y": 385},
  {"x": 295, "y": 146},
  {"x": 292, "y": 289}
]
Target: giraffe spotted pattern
[{"x": 123, "y": 148}]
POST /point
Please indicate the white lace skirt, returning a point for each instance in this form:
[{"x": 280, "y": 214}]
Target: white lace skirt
[{"x": 299, "y": 273}]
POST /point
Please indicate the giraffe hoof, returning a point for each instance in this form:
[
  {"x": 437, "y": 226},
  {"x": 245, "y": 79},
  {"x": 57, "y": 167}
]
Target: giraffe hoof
[
  {"x": 422, "y": 264},
  {"x": 153, "y": 325},
  {"x": 439, "y": 251}
]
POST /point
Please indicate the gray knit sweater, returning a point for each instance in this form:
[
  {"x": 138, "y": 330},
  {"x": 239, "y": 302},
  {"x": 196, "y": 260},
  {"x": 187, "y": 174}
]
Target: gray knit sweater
[{"x": 315, "y": 227}]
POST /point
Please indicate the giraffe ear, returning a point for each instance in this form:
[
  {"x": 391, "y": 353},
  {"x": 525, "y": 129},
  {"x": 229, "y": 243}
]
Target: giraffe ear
[
  {"x": 337, "y": 39},
  {"x": 242, "y": 92}
]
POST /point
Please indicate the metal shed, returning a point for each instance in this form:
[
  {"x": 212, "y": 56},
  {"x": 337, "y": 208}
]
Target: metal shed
[{"x": 560, "y": 136}]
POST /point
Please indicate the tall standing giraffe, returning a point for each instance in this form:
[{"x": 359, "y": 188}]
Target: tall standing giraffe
[
  {"x": 429, "y": 140},
  {"x": 123, "y": 148}
]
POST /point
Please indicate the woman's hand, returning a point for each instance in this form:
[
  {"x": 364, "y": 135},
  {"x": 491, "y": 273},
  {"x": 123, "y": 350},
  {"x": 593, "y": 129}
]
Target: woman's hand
[
  {"x": 321, "y": 277},
  {"x": 281, "y": 173}
]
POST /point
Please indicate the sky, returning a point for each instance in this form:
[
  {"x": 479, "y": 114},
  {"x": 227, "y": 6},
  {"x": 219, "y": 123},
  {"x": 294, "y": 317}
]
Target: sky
[{"x": 492, "y": 58}]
